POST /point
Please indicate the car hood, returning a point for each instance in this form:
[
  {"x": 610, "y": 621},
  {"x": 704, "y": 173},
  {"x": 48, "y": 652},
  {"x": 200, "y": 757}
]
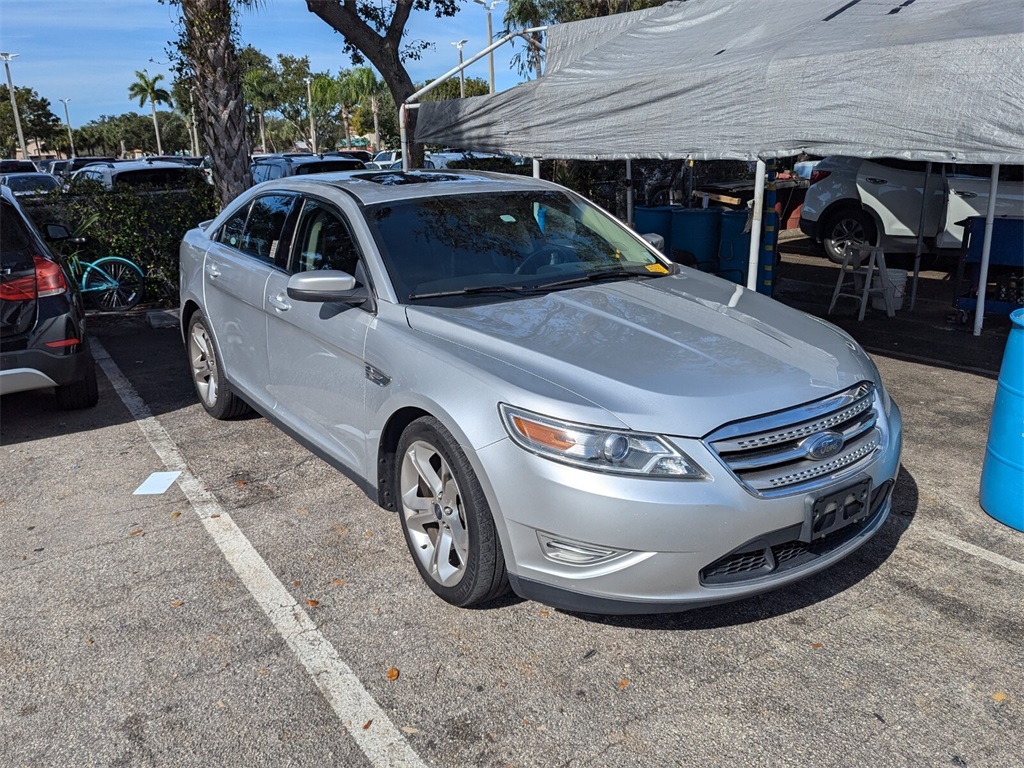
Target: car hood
[{"x": 678, "y": 355}]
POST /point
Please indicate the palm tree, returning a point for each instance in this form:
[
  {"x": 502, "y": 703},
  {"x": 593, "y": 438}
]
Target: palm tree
[
  {"x": 146, "y": 88},
  {"x": 368, "y": 88},
  {"x": 260, "y": 89}
]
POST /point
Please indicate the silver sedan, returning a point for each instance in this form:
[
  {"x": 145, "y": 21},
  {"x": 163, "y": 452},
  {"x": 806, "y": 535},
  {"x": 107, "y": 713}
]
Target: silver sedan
[{"x": 548, "y": 404}]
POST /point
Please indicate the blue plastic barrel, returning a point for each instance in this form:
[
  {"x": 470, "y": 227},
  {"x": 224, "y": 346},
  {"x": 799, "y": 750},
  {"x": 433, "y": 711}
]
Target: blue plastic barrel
[
  {"x": 734, "y": 247},
  {"x": 1002, "y": 476},
  {"x": 695, "y": 233},
  {"x": 657, "y": 219}
]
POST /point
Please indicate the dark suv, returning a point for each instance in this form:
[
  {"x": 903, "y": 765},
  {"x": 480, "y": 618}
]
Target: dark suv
[
  {"x": 268, "y": 167},
  {"x": 42, "y": 320}
]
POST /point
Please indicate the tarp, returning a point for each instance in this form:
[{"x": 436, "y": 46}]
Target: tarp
[{"x": 938, "y": 80}]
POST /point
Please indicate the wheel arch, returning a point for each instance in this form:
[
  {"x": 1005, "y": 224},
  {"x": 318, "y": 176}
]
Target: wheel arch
[
  {"x": 387, "y": 453},
  {"x": 847, "y": 204}
]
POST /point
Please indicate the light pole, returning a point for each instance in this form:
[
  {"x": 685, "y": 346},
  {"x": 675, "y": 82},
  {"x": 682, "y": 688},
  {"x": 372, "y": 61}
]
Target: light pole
[
  {"x": 14, "y": 103},
  {"x": 309, "y": 101},
  {"x": 490, "y": 37},
  {"x": 67, "y": 120},
  {"x": 462, "y": 73}
]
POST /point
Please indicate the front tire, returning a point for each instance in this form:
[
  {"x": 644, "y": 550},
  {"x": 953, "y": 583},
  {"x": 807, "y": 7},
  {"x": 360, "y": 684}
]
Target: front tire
[
  {"x": 848, "y": 226},
  {"x": 212, "y": 388},
  {"x": 446, "y": 519}
]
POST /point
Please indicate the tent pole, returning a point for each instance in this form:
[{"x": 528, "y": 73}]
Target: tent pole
[
  {"x": 629, "y": 192},
  {"x": 536, "y": 168},
  {"x": 920, "y": 234},
  {"x": 404, "y": 135},
  {"x": 986, "y": 251},
  {"x": 755, "y": 225}
]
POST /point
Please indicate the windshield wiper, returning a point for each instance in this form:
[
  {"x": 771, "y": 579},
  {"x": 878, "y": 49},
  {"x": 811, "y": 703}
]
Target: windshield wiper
[
  {"x": 603, "y": 274},
  {"x": 474, "y": 290}
]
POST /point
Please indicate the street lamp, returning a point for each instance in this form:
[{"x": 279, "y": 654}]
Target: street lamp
[
  {"x": 67, "y": 120},
  {"x": 14, "y": 102},
  {"x": 490, "y": 38},
  {"x": 309, "y": 102},
  {"x": 462, "y": 72}
]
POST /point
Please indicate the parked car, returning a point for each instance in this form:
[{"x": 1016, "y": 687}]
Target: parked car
[
  {"x": 22, "y": 184},
  {"x": 8, "y": 165},
  {"x": 269, "y": 167},
  {"x": 43, "y": 340},
  {"x": 548, "y": 404},
  {"x": 387, "y": 157},
  {"x": 137, "y": 173},
  {"x": 880, "y": 202}
]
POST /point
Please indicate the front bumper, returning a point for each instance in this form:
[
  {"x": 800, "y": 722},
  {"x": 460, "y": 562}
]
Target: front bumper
[
  {"x": 667, "y": 542},
  {"x": 810, "y": 228}
]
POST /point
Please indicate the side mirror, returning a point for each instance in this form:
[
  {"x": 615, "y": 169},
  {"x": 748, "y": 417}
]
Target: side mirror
[
  {"x": 326, "y": 285},
  {"x": 57, "y": 232}
]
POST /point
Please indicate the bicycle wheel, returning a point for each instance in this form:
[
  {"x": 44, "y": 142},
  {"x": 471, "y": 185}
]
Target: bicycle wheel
[{"x": 113, "y": 283}]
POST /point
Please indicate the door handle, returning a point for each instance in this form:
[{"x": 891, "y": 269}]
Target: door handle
[
  {"x": 876, "y": 180},
  {"x": 279, "y": 302},
  {"x": 965, "y": 194},
  {"x": 211, "y": 270}
]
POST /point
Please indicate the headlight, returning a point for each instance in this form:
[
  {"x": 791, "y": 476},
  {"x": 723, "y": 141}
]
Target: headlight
[{"x": 603, "y": 450}]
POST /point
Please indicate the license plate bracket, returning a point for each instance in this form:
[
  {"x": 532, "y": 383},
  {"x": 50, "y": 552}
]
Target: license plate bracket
[{"x": 833, "y": 511}]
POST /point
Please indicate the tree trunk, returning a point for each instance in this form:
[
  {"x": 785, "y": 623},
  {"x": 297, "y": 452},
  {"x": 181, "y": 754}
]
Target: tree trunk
[
  {"x": 208, "y": 46},
  {"x": 156, "y": 127},
  {"x": 376, "y": 124}
]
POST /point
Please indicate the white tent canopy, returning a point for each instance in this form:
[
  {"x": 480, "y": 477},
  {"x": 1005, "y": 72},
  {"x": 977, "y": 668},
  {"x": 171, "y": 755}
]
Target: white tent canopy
[{"x": 938, "y": 80}]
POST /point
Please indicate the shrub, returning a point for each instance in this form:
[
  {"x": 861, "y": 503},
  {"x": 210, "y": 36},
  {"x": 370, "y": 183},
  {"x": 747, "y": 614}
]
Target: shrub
[{"x": 144, "y": 225}]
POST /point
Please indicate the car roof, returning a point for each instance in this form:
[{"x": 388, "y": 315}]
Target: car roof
[{"x": 370, "y": 187}]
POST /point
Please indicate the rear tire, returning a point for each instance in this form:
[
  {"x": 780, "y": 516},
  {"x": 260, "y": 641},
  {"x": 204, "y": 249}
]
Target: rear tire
[
  {"x": 847, "y": 226},
  {"x": 83, "y": 393},
  {"x": 446, "y": 519},
  {"x": 211, "y": 387}
]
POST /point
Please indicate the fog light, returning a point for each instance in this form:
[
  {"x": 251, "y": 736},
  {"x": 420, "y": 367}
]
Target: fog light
[{"x": 564, "y": 550}]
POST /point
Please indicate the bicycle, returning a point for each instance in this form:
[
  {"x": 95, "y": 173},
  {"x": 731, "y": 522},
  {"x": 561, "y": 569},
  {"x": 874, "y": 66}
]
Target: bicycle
[{"x": 113, "y": 282}]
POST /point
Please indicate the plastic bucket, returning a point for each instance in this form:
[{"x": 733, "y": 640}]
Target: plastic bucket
[
  {"x": 895, "y": 287},
  {"x": 734, "y": 247},
  {"x": 695, "y": 234},
  {"x": 656, "y": 219},
  {"x": 1002, "y": 476}
]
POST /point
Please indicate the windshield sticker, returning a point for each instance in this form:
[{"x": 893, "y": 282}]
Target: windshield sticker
[{"x": 657, "y": 269}]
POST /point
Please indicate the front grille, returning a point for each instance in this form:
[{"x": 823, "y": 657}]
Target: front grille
[
  {"x": 782, "y": 551},
  {"x": 776, "y": 454}
]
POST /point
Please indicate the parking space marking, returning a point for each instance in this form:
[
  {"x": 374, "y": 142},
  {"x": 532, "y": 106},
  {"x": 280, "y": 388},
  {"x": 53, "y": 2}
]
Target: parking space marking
[
  {"x": 370, "y": 727},
  {"x": 976, "y": 551}
]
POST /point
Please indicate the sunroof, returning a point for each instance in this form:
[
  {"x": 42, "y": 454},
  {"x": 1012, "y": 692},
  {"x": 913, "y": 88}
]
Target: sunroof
[{"x": 397, "y": 179}]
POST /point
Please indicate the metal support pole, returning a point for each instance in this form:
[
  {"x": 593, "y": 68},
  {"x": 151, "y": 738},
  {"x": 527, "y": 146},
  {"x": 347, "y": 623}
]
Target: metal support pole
[
  {"x": 766, "y": 266},
  {"x": 920, "y": 234},
  {"x": 67, "y": 121},
  {"x": 755, "y": 225},
  {"x": 536, "y": 168},
  {"x": 629, "y": 192},
  {"x": 309, "y": 102},
  {"x": 986, "y": 251}
]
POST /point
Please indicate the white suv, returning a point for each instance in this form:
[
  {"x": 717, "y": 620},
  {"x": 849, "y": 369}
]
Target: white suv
[{"x": 854, "y": 201}]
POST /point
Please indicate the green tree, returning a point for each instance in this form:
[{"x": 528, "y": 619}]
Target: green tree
[
  {"x": 38, "y": 122},
  {"x": 146, "y": 88},
  {"x": 452, "y": 89},
  {"x": 374, "y": 32},
  {"x": 367, "y": 91},
  {"x": 260, "y": 86}
]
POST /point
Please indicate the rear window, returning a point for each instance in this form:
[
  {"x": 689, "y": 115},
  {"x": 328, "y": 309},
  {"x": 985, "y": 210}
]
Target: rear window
[
  {"x": 156, "y": 177},
  {"x": 32, "y": 183},
  {"x": 16, "y": 245},
  {"x": 328, "y": 165},
  {"x": 17, "y": 166}
]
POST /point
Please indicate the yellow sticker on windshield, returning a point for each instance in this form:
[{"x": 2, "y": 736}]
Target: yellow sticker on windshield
[{"x": 657, "y": 269}]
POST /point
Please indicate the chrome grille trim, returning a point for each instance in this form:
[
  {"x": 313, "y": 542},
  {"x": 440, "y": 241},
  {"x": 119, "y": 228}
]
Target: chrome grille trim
[{"x": 767, "y": 454}]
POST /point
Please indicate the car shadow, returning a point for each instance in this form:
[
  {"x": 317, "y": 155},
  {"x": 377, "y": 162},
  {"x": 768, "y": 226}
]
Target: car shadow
[{"x": 812, "y": 590}]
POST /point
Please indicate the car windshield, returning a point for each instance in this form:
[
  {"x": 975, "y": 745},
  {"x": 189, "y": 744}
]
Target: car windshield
[
  {"x": 495, "y": 244},
  {"x": 39, "y": 183}
]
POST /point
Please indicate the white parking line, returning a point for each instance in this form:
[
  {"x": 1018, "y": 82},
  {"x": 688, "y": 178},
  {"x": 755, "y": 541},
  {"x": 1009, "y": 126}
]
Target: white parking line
[
  {"x": 367, "y": 723},
  {"x": 976, "y": 551}
]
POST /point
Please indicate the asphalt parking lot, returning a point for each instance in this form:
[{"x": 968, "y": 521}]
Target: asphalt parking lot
[{"x": 263, "y": 612}]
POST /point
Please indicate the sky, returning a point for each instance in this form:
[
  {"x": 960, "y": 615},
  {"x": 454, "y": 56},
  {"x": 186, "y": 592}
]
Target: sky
[{"x": 87, "y": 51}]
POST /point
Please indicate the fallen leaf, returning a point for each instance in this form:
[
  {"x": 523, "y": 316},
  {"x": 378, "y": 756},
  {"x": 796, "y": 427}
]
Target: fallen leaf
[
  {"x": 368, "y": 533},
  {"x": 817, "y": 645},
  {"x": 136, "y": 532},
  {"x": 177, "y": 603},
  {"x": 545, "y": 613},
  {"x": 1000, "y": 696},
  {"x": 623, "y": 683},
  {"x": 312, "y": 603},
  {"x": 175, "y": 515},
  {"x": 367, "y": 724},
  {"x": 296, "y": 583},
  {"x": 240, "y": 483},
  {"x": 89, "y": 641},
  {"x": 338, "y": 582},
  {"x": 409, "y": 729},
  {"x": 392, "y": 674},
  {"x": 264, "y": 671},
  {"x": 217, "y": 515}
]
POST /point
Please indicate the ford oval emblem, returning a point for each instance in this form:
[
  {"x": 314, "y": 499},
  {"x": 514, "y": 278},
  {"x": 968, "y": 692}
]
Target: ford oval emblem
[{"x": 824, "y": 445}]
